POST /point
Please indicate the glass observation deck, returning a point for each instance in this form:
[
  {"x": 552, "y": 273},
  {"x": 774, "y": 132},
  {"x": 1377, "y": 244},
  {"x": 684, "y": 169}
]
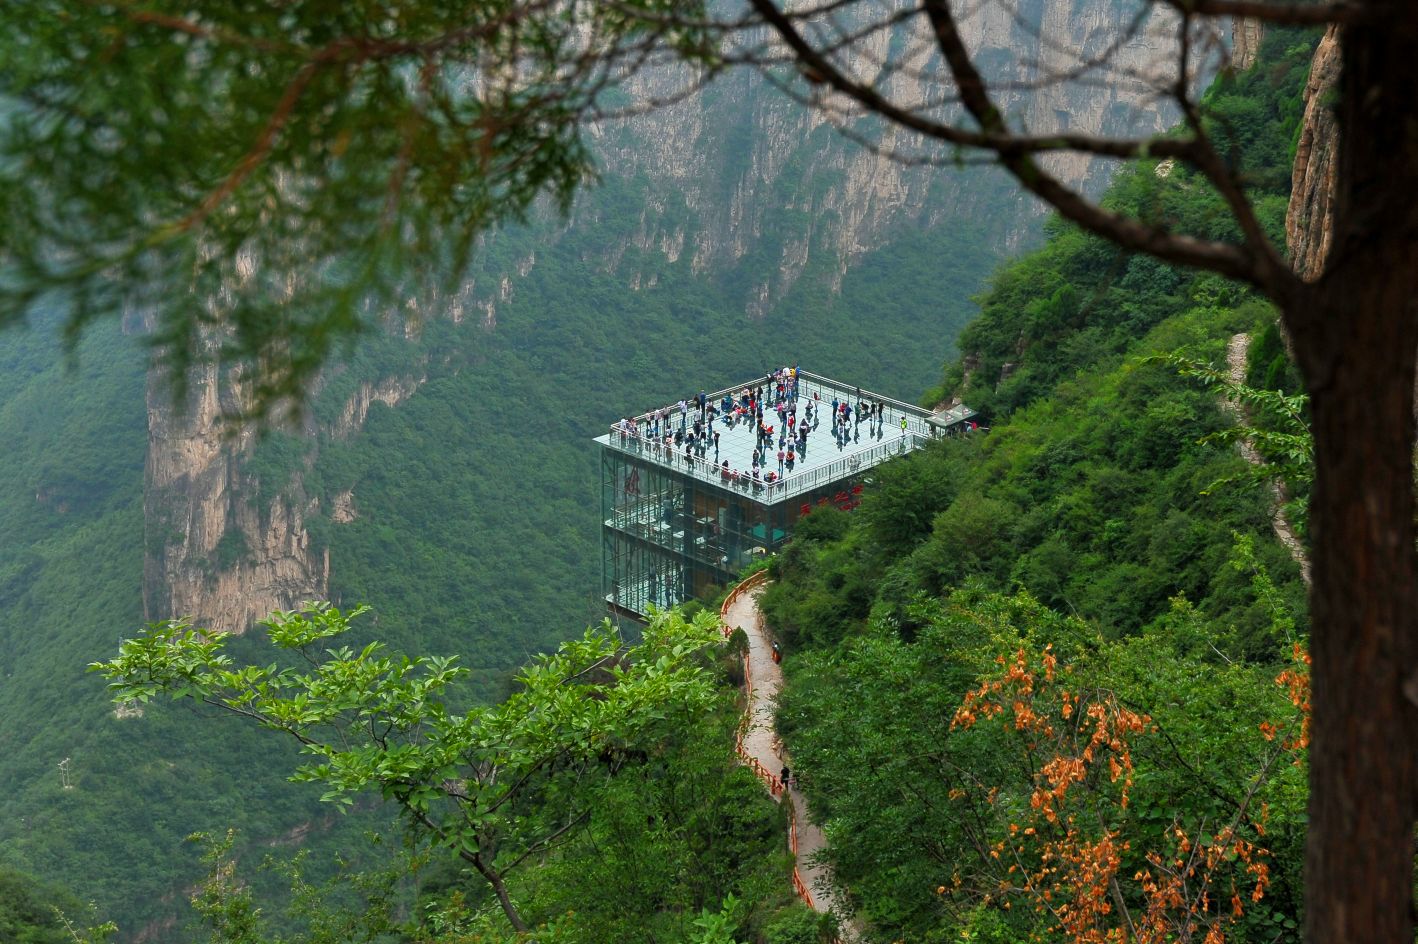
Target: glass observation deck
[{"x": 680, "y": 517}]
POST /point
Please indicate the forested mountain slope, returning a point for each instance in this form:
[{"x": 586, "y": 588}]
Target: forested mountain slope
[
  {"x": 1093, "y": 553},
  {"x": 737, "y": 202}
]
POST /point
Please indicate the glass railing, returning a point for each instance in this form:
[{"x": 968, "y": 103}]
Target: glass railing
[{"x": 789, "y": 485}]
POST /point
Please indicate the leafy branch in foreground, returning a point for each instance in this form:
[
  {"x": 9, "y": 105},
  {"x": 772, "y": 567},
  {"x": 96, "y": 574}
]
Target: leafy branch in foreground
[
  {"x": 1272, "y": 421},
  {"x": 497, "y": 785},
  {"x": 264, "y": 182}
]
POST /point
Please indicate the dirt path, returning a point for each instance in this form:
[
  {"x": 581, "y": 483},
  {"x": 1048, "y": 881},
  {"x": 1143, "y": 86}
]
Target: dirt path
[
  {"x": 765, "y": 678},
  {"x": 1236, "y": 370}
]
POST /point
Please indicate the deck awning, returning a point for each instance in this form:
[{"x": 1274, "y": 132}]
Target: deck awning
[{"x": 951, "y": 420}]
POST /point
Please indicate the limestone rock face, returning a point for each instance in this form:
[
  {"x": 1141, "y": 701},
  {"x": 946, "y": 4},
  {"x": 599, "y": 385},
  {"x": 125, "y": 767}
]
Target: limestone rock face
[
  {"x": 342, "y": 510},
  {"x": 1309, "y": 220},
  {"x": 754, "y": 188},
  {"x": 212, "y": 553},
  {"x": 1246, "y": 34},
  {"x": 221, "y": 550},
  {"x": 391, "y": 392}
]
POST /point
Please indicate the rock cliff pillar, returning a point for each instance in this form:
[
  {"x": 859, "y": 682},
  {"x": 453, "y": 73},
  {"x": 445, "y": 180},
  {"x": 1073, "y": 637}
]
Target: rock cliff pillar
[{"x": 212, "y": 552}]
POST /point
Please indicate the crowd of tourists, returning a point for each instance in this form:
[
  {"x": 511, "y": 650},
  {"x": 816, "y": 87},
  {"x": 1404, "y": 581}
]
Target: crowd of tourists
[{"x": 782, "y": 416}]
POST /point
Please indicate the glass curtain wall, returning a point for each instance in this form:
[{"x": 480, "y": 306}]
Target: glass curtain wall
[{"x": 668, "y": 537}]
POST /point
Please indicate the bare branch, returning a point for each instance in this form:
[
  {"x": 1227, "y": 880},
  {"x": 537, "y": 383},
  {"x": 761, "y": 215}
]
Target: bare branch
[
  {"x": 817, "y": 68},
  {"x": 1129, "y": 233}
]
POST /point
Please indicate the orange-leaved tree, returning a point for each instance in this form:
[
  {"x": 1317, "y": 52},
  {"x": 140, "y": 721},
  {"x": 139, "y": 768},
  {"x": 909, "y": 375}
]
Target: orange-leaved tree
[{"x": 1062, "y": 848}]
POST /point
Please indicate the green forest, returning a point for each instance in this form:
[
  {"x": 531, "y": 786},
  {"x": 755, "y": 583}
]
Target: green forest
[
  {"x": 476, "y": 531},
  {"x": 1100, "y": 529},
  {"x": 1101, "y": 552}
]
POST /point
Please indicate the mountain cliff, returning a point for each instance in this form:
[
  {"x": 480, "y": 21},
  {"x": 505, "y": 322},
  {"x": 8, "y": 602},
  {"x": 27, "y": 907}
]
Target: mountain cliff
[
  {"x": 1309, "y": 221},
  {"x": 222, "y": 550},
  {"x": 737, "y": 188}
]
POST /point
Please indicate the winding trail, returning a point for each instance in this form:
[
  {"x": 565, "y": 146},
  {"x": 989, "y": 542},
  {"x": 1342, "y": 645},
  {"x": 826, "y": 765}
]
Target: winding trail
[
  {"x": 761, "y": 750},
  {"x": 1236, "y": 351}
]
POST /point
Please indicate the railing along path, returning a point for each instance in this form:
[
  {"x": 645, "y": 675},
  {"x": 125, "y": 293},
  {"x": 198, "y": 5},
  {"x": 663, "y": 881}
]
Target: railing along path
[{"x": 774, "y": 784}]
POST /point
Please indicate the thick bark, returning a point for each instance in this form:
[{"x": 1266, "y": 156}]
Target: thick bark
[{"x": 1355, "y": 336}]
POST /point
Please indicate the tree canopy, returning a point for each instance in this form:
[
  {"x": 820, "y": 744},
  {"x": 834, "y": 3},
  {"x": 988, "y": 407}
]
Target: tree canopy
[
  {"x": 261, "y": 183},
  {"x": 496, "y": 785}
]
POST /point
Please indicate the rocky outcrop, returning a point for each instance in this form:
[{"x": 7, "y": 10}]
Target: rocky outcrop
[
  {"x": 223, "y": 548},
  {"x": 215, "y": 552},
  {"x": 1246, "y": 34},
  {"x": 391, "y": 392},
  {"x": 342, "y": 507},
  {"x": 1309, "y": 219}
]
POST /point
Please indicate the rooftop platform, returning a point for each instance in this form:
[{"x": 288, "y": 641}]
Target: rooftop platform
[{"x": 870, "y": 442}]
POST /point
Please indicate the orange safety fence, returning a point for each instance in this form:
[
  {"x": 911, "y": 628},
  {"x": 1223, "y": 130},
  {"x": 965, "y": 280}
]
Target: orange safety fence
[{"x": 799, "y": 885}]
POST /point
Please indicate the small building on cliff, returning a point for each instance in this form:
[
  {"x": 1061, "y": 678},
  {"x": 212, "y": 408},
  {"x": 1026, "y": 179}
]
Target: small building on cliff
[{"x": 683, "y": 505}]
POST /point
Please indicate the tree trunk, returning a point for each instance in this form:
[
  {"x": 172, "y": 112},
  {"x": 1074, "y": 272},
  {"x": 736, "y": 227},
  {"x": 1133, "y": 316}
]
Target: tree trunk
[{"x": 1356, "y": 334}]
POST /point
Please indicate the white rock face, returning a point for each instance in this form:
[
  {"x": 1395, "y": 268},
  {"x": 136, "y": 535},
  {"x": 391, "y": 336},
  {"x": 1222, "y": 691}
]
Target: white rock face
[
  {"x": 739, "y": 157},
  {"x": 212, "y": 555},
  {"x": 391, "y": 392},
  {"x": 216, "y": 552}
]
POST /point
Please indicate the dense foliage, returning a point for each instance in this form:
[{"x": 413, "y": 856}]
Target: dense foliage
[
  {"x": 33, "y": 913},
  {"x": 1102, "y": 561},
  {"x": 596, "y": 802},
  {"x": 933, "y": 786}
]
